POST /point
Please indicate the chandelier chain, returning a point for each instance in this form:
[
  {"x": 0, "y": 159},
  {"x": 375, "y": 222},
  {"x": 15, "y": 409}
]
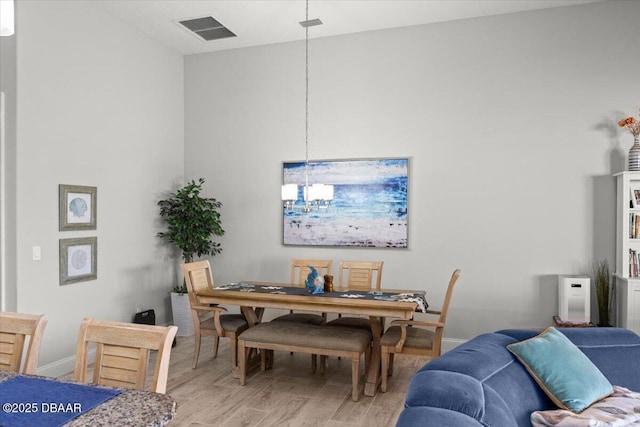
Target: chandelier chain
[
  {"x": 306, "y": 97},
  {"x": 316, "y": 196}
]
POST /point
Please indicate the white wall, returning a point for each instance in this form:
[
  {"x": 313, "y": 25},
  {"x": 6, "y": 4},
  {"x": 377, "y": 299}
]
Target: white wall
[
  {"x": 509, "y": 122},
  {"x": 99, "y": 104},
  {"x": 8, "y": 291}
]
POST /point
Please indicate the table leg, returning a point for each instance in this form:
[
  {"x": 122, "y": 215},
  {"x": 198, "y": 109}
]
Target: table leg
[
  {"x": 253, "y": 316},
  {"x": 373, "y": 372}
]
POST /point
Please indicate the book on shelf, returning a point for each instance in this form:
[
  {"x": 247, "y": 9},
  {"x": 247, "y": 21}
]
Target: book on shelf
[
  {"x": 634, "y": 226},
  {"x": 634, "y": 263}
]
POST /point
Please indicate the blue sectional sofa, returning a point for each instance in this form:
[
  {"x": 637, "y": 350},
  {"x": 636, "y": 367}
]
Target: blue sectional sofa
[{"x": 480, "y": 383}]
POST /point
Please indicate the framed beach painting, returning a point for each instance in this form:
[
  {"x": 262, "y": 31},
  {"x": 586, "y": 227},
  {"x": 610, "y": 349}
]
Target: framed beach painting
[
  {"x": 77, "y": 207},
  {"x": 369, "y": 206}
]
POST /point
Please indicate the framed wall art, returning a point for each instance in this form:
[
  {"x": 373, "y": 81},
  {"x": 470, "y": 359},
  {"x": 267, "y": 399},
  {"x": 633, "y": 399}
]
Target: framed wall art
[
  {"x": 635, "y": 195},
  {"x": 78, "y": 260},
  {"x": 369, "y": 206},
  {"x": 77, "y": 205}
]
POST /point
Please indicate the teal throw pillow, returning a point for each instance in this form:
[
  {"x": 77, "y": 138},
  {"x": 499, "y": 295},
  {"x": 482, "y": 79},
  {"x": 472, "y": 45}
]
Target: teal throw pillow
[{"x": 563, "y": 371}]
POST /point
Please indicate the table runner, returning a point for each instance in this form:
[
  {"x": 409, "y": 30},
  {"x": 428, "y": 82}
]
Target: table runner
[
  {"x": 37, "y": 402},
  {"x": 293, "y": 290}
]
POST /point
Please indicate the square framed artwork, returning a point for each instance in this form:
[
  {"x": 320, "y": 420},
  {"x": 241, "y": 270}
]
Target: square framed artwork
[
  {"x": 369, "y": 206},
  {"x": 635, "y": 195},
  {"x": 78, "y": 260},
  {"x": 77, "y": 206}
]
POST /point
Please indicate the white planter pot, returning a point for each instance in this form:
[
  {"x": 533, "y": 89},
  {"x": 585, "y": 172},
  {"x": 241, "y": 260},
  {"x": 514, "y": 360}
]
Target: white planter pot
[{"x": 181, "y": 310}]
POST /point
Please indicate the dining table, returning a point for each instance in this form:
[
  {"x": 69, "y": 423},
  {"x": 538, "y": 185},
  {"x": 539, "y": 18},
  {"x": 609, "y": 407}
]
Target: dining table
[
  {"x": 31, "y": 400},
  {"x": 253, "y": 297}
]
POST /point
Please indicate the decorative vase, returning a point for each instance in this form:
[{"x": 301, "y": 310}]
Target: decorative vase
[{"x": 634, "y": 155}]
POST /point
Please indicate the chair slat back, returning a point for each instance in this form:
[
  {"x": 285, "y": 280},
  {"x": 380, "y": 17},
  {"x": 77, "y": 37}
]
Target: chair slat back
[
  {"x": 360, "y": 275},
  {"x": 197, "y": 277},
  {"x": 14, "y": 329},
  {"x": 120, "y": 366},
  {"x": 122, "y": 353},
  {"x": 300, "y": 269}
]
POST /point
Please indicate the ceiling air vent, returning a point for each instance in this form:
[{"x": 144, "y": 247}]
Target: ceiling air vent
[{"x": 207, "y": 28}]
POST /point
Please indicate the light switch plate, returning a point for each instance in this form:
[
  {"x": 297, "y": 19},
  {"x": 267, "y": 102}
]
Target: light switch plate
[{"x": 37, "y": 254}]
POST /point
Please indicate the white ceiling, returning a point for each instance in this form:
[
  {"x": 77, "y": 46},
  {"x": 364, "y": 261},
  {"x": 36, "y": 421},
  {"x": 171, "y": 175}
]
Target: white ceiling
[{"x": 259, "y": 22}]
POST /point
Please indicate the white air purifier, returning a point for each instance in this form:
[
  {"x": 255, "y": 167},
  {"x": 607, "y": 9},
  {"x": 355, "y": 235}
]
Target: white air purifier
[{"x": 574, "y": 298}]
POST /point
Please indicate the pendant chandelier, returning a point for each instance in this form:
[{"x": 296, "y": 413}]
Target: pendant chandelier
[{"x": 316, "y": 196}]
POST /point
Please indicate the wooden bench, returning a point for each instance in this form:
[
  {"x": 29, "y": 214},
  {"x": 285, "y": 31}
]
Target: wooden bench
[{"x": 309, "y": 339}]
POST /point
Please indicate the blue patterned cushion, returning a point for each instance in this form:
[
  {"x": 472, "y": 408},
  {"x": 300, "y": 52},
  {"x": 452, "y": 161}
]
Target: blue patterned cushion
[{"x": 563, "y": 371}]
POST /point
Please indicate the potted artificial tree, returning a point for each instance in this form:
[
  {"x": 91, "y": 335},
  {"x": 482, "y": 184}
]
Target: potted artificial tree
[
  {"x": 602, "y": 281},
  {"x": 192, "y": 222}
]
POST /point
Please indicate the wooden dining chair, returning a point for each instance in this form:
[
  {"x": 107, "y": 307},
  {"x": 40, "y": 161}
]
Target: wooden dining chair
[
  {"x": 358, "y": 276},
  {"x": 299, "y": 272},
  {"x": 122, "y": 353},
  {"x": 415, "y": 337},
  {"x": 210, "y": 320},
  {"x": 15, "y": 328}
]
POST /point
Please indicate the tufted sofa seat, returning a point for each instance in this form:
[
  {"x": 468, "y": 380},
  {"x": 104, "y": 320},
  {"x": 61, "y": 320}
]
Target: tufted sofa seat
[{"x": 480, "y": 383}]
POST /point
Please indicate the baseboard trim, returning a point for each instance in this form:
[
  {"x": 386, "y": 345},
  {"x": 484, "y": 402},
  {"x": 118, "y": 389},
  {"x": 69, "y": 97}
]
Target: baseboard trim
[{"x": 63, "y": 366}]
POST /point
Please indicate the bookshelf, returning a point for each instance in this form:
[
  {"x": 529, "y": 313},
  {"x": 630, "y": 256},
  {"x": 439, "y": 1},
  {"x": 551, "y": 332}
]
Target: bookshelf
[{"x": 627, "y": 273}]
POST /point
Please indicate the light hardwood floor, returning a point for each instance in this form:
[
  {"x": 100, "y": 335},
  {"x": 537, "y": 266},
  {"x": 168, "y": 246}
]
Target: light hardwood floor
[{"x": 287, "y": 395}]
